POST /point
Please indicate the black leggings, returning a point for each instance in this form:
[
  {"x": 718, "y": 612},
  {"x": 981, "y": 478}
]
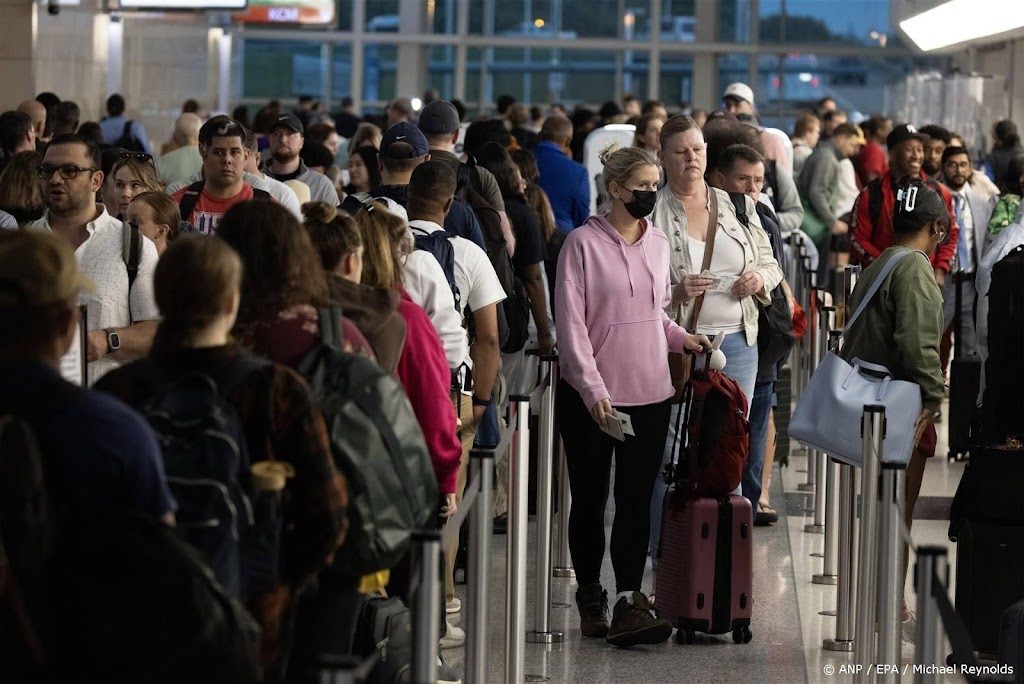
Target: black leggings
[{"x": 588, "y": 453}]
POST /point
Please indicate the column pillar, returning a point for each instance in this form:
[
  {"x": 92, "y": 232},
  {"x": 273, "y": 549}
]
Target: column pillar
[
  {"x": 17, "y": 38},
  {"x": 412, "y": 59}
]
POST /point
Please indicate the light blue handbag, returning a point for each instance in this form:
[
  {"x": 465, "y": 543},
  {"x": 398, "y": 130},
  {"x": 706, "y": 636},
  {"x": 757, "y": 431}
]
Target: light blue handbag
[{"x": 828, "y": 416}]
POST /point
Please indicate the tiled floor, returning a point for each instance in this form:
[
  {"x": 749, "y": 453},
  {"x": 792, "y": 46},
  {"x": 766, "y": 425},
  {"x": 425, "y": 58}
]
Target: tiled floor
[{"x": 787, "y": 625}]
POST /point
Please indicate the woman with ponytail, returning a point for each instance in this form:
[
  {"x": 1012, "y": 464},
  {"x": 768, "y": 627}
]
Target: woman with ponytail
[{"x": 614, "y": 338}]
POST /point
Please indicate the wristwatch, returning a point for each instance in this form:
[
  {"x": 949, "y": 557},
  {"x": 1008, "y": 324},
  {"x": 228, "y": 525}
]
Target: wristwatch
[
  {"x": 477, "y": 401},
  {"x": 113, "y": 340}
]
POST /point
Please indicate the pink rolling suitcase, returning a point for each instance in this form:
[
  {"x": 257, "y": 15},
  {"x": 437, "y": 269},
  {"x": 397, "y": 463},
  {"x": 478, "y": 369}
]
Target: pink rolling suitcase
[{"x": 705, "y": 566}]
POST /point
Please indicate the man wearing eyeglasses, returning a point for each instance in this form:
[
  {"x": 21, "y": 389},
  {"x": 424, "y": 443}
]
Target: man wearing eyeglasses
[
  {"x": 972, "y": 213},
  {"x": 121, "y": 316}
]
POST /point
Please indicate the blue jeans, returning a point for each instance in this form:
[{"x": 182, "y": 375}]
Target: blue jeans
[
  {"x": 741, "y": 366},
  {"x": 760, "y": 412}
]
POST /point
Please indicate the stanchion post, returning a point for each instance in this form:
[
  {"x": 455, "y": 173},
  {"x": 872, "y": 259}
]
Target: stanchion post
[
  {"x": 819, "y": 347},
  {"x": 542, "y": 632},
  {"x": 931, "y": 572},
  {"x": 872, "y": 434},
  {"x": 515, "y": 559},
  {"x": 563, "y": 560},
  {"x": 427, "y": 602},
  {"x": 890, "y": 566},
  {"x": 807, "y": 366},
  {"x": 846, "y": 589},
  {"x": 478, "y": 576}
]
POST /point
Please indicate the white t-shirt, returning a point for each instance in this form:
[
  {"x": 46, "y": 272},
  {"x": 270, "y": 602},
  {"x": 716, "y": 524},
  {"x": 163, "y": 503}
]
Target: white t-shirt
[
  {"x": 968, "y": 228},
  {"x": 721, "y": 312},
  {"x": 427, "y": 286},
  {"x": 101, "y": 257}
]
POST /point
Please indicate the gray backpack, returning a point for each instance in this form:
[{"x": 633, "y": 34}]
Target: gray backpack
[{"x": 379, "y": 447}]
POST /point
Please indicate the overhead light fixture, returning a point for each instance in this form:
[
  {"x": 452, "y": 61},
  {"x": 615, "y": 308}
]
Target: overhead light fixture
[{"x": 959, "y": 21}]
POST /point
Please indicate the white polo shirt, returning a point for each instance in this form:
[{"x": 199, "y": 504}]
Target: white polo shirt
[{"x": 101, "y": 257}]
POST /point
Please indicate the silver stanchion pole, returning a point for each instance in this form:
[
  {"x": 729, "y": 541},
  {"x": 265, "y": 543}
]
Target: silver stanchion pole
[
  {"x": 807, "y": 367},
  {"x": 931, "y": 572},
  {"x": 846, "y": 589},
  {"x": 542, "y": 632},
  {"x": 563, "y": 560},
  {"x": 427, "y": 602},
  {"x": 819, "y": 347},
  {"x": 873, "y": 434},
  {"x": 850, "y": 276},
  {"x": 799, "y": 281},
  {"x": 478, "y": 575},
  {"x": 515, "y": 560},
  {"x": 890, "y": 565}
]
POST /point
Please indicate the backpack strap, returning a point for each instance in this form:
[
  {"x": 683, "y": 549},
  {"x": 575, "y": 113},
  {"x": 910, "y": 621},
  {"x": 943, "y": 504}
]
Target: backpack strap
[
  {"x": 875, "y": 199},
  {"x": 126, "y": 132},
  {"x": 739, "y": 200},
  {"x": 131, "y": 250},
  {"x": 190, "y": 199},
  {"x": 330, "y": 327},
  {"x": 875, "y": 286},
  {"x": 465, "y": 174},
  {"x": 260, "y": 194}
]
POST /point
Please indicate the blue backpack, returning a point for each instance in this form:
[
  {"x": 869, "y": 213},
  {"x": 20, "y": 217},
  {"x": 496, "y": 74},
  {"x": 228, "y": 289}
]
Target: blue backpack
[{"x": 208, "y": 471}]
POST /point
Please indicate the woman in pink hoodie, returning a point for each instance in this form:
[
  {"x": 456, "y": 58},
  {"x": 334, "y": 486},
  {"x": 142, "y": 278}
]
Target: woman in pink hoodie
[{"x": 614, "y": 337}]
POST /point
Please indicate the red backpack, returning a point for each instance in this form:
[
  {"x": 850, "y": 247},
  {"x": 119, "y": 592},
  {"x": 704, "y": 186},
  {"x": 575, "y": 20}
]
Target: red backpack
[{"x": 717, "y": 437}]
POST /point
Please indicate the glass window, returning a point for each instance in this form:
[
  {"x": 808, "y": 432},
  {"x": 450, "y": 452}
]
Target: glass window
[
  {"x": 345, "y": 15},
  {"x": 441, "y": 70},
  {"x": 342, "y": 73},
  {"x": 278, "y": 68},
  {"x": 566, "y": 19},
  {"x": 379, "y": 72},
  {"x": 581, "y": 76},
  {"x": 381, "y": 16},
  {"x": 851, "y": 22},
  {"x": 442, "y": 15},
  {"x": 676, "y": 80},
  {"x": 732, "y": 68},
  {"x": 734, "y": 20}
]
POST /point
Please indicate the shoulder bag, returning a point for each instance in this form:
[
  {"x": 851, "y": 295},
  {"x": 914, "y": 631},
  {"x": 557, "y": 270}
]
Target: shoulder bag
[{"x": 828, "y": 415}]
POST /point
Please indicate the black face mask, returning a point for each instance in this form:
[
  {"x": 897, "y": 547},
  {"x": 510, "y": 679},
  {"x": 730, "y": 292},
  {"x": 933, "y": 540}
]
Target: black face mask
[{"x": 642, "y": 204}]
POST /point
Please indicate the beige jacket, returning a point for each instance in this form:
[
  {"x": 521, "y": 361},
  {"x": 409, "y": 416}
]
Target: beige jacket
[{"x": 670, "y": 217}]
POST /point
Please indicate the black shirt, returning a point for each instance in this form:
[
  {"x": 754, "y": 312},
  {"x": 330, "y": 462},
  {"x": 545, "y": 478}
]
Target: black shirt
[{"x": 530, "y": 248}]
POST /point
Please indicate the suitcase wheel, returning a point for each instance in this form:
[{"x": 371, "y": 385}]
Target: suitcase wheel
[
  {"x": 685, "y": 636},
  {"x": 742, "y": 635}
]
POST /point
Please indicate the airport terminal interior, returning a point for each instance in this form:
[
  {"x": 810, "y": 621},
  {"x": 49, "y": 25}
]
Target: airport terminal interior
[{"x": 573, "y": 138}]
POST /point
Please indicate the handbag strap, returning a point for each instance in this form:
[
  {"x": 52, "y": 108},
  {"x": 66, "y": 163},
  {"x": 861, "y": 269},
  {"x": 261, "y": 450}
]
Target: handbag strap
[
  {"x": 875, "y": 286},
  {"x": 709, "y": 250}
]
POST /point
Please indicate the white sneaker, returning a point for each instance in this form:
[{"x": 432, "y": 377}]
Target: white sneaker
[
  {"x": 454, "y": 637},
  {"x": 453, "y": 606}
]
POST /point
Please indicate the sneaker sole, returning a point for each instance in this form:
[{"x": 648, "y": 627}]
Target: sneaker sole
[{"x": 656, "y": 634}]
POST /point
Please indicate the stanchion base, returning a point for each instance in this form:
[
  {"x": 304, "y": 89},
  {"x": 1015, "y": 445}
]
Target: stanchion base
[
  {"x": 814, "y": 529},
  {"x": 816, "y": 554},
  {"x": 560, "y": 605},
  {"x": 564, "y": 572},
  {"x": 839, "y": 646},
  {"x": 537, "y": 678},
  {"x": 805, "y": 487},
  {"x": 544, "y": 637},
  {"x": 827, "y": 613},
  {"x": 825, "y": 579}
]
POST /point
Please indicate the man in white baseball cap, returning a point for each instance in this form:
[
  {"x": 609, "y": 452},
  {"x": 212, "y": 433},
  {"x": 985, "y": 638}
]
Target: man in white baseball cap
[{"x": 738, "y": 98}]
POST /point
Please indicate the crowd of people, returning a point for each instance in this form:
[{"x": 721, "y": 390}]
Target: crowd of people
[{"x": 243, "y": 244}]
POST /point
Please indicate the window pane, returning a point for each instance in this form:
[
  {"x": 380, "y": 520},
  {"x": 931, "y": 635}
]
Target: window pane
[
  {"x": 851, "y": 22},
  {"x": 444, "y": 16},
  {"x": 734, "y": 20},
  {"x": 379, "y": 76},
  {"x": 441, "y": 70},
  {"x": 282, "y": 69},
  {"x": 551, "y": 18},
  {"x": 342, "y": 73},
  {"x": 381, "y": 16},
  {"x": 676, "y": 84},
  {"x": 588, "y": 76},
  {"x": 731, "y": 68}
]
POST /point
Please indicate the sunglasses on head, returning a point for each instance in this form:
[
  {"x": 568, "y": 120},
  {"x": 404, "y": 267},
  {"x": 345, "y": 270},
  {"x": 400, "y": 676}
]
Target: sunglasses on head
[
  {"x": 357, "y": 201},
  {"x": 143, "y": 157}
]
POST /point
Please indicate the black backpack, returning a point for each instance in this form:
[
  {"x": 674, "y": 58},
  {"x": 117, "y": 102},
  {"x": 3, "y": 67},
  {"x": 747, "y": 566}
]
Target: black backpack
[
  {"x": 439, "y": 243},
  {"x": 131, "y": 250},
  {"x": 516, "y": 307},
  {"x": 379, "y": 447},
  {"x": 775, "y": 336},
  {"x": 1003, "y": 403},
  {"x": 208, "y": 464},
  {"x": 128, "y": 141},
  {"x": 103, "y": 596}
]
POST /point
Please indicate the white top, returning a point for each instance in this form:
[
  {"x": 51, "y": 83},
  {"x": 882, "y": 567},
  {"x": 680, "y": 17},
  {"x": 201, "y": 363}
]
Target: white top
[
  {"x": 101, "y": 257},
  {"x": 968, "y": 228},
  {"x": 848, "y": 191},
  {"x": 427, "y": 286},
  {"x": 722, "y": 311}
]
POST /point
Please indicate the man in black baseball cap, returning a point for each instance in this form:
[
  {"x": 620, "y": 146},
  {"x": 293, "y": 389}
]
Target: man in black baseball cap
[
  {"x": 286, "y": 141},
  {"x": 439, "y": 122}
]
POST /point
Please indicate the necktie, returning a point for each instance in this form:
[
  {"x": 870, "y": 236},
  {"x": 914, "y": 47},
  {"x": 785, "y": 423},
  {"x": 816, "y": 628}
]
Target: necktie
[{"x": 963, "y": 254}]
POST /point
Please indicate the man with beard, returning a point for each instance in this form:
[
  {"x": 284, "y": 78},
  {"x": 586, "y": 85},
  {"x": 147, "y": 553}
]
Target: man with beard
[
  {"x": 286, "y": 140},
  {"x": 938, "y": 140},
  {"x": 972, "y": 212},
  {"x": 204, "y": 203},
  {"x": 871, "y": 228},
  {"x": 122, "y": 314}
]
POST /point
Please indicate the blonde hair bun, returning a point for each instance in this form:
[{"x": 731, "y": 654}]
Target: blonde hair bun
[{"x": 607, "y": 151}]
